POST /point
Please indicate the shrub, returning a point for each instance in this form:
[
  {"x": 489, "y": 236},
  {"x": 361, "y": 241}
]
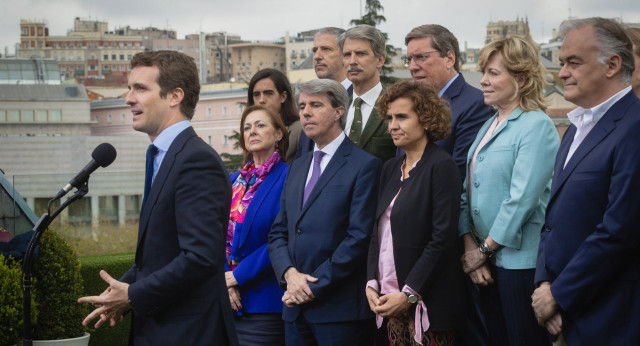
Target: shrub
[
  {"x": 116, "y": 265},
  {"x": 59, "y": 285},
  {"x": 11, "y": 302}
]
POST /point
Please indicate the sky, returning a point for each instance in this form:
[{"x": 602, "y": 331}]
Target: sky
[{"x": 270, "y": 19}]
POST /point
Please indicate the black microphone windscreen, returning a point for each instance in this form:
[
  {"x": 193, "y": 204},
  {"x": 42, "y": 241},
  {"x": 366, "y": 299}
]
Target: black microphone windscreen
[{"x": 104, "y": 154}]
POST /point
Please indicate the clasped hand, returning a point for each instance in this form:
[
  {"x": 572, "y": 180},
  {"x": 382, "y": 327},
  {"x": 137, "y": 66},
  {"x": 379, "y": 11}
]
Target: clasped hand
[
  {"x": 298, "y": 290},
  {"x": 388, "y": 305},
  {"x": 546, "y": 308}
]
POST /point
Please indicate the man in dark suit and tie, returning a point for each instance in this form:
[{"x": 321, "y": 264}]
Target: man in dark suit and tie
[
  {"x": 588, "y": 268},
  {"x": 319, "y": 241},
  {"x": 363, "y": 52},
  {"x": 433, "y": 57},
  {"x": 176, "y": 287}
]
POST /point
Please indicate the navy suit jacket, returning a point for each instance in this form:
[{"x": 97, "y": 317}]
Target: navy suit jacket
[
  {"x": 259, "y": 289},
  {"x": 328, "y": 237},
  {"x": 468, "y": 114},
  {"x": 589, "y": 243},
  {"x": 177, "y": 286}
]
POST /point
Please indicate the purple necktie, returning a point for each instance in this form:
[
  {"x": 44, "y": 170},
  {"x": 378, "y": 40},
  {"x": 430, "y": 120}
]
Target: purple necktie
[{"x": 315, "y": 174}]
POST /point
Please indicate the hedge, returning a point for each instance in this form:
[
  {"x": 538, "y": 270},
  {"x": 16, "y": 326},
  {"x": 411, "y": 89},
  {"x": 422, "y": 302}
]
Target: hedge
[{"x": 116, "y": 265}]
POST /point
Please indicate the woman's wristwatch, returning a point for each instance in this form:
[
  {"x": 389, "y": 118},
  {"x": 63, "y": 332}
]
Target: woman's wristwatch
[
  {"x": 484, "y": 249},
  {"x": 411, "y": 298}
]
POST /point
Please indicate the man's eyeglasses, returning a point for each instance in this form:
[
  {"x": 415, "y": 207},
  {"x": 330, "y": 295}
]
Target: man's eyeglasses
[{"x": 419, "y": 58}]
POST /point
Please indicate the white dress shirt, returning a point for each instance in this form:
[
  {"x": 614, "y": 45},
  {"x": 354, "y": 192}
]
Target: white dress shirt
[{"x": 585, "y": 119}]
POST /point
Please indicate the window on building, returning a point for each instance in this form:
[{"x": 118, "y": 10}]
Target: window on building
[
  {"x": 63, "y": 58},
  {"x": 113, "y": 45},
  {"x": 113, "y": 57},
  {"x": 24, "y": 32},
  {"x": 72, "y": 58},
  {"x": 72, "y": 45},
  {"x": 63, "y": 68},
  {"x": 123, "y": 117},
  {"x": 92, "y": 57},
  {"x": 55, "y": 57},
  {"x": 3, "y": 116},
  {"x": 225, "y": 140},
  {"x": 121, "y": 67},
  {"x": 109, "y": 118},
  {"x": 224, "y": 110},
  {"x": 240, "y": 108},
  {"x": 129, "y": 56},
  {"x": 105, "y": 57},
  {"x": 121, "y": 56},
  {"x": 64, "y": 45},
  {"x": 129, "y": 45},
  {"x": 180, "y": 49},
  {"x": 121, "y": 45},
  {"x": 14, "y": 116},
  {"x": 132, "y": 207},
  {"x": 108, "y": 209},
  {"x": 208, "y": 112},
  {"x": 72, "y": 67},
  {"x": 137, "y": 44},
  {"x": 55, "y": 116},
  {"x": 80, "y": 212},
  {"x": 28, "y": 116},
  {"x": 114, "y": 68},
  {"x": 209, "y": 140},
  {"x": 41, "y": 116}
]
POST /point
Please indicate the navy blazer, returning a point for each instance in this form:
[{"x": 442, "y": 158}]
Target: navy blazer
[
  {"x": 589, "y": 243},
  {"x": 468, "y": 113},
  {"x": 177, "y": 285},
  {"x": 259, "y": 288},
  {"x": 328, "y": 237}
]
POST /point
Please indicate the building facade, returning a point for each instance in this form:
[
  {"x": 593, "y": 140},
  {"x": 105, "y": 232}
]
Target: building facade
[
  {"x": 89, "y": 51},
  {"x": 500, "y": 29}
]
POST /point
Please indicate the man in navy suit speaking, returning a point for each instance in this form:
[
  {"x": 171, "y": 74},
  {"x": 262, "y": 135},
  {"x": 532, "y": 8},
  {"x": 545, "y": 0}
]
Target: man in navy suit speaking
[
  {"x": 176, "y": 287},
  {"x": 588, "y": 268},
  {"x": 319, "y": 241}
]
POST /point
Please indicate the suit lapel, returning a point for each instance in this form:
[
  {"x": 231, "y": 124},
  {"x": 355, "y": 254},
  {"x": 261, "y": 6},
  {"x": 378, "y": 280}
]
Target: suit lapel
[
  {"x": 370, "y": 128},
  {"x": 337, "y": 161},
  {"x": 297, "y": 179},
  {"x": 167, "y": 164},
  {"x": 599, "y": 132}
]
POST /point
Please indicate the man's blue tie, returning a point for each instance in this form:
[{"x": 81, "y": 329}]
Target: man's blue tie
[
  {"x": 148, "y": 175},
  {"x": 315, "y": 174}
]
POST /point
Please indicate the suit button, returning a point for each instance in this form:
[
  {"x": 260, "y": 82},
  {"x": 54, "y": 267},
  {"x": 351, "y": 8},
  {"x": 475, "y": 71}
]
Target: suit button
[
  {"x": 476, "y": 184},
  {"x": 476, "y": 211},
  {"x": 298, "y": 232},
  {"x": 480, "y": 158},
  {"x": 547, "y": 228}
]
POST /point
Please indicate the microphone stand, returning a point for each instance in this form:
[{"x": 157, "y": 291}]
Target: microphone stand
[{"x": 39, "y": 228}]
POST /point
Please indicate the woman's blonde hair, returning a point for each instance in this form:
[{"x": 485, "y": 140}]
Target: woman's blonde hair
[{"x": 520, "y": 56}]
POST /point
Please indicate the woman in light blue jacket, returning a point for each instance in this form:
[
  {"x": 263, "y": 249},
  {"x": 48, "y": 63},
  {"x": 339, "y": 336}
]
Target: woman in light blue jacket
[{"x": 509, "y": 169}]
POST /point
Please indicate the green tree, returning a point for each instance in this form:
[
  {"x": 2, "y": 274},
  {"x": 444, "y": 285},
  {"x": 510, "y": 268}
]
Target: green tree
[
  {"x": 231, "y": 161},
  {"x": 373, "y": 17}
]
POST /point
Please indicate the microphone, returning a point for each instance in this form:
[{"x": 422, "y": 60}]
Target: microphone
[{"x": 102, "y": 156}]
